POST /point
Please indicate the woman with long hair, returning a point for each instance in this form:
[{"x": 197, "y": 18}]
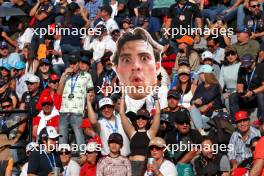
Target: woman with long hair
[
  {"x": 229, "y": 73},
  {"x": 141, "y": 134},
  {"x": 44, "y": 71},
  {"x": 206, "y": 99},
  {"x": 184, "y": 86},
  {"x": 31, "y": 62}
]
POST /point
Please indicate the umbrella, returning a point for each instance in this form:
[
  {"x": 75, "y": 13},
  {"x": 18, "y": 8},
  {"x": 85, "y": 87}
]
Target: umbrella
[{"x": 11, "y": 11}]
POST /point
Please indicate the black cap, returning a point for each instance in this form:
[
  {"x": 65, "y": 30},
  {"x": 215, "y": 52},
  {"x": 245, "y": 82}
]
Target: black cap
[
  {"x": 85, "y": 59},
  {"x": 182, "y": 117},
  {"x": 107, "y": 8},
  {"x": 143, "y": 113},
  {"x": 44, "y": 60},
  {"x": 247, "y": 60},
  {"x": 73, "y": 6},
  {"x": 74, "y": 58},
  {"x": 164, "y": 117},
  {"x": 131, "y": 115},
  {"x": 174, "y": 94},
  {"x": 102, "y": 28},
  {"x": 115, "y": 138},
  {"x": 184, "y": 61}
]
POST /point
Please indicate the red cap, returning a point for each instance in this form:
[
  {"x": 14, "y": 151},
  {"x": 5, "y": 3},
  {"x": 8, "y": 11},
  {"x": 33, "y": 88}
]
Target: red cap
[
  {"x": 46, "y": 99},
  {"x": 86, "y": 123},
  {"x": 54, "y": 77},
  {"x": 240, "y": 171},
  {"x": 240, "y": 115}
]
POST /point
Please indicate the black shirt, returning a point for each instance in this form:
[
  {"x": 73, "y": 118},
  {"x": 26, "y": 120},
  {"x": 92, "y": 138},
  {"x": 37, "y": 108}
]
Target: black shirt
[
  {"x": 257, "y": 77},
  {"x": 173, "y": 115},
  {"x": 48, "y": 9},
  {"x": 255, "y": 23},
  {"x": 40, "y": 165},
  {"x": 30, "y": 102},
  {"x": 189, "y": 12}
]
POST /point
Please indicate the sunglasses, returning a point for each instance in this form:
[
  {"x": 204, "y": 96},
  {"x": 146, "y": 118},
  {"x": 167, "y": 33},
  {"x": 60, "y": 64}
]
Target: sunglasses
[
  {"x": 254, "y": 6},
  {"x": 29, "y": 83},
  {"x": 54, "y": 81},
  {"x": 64, "y": 153},
  {"x": 46, "y": 104},
  {"x": 142, "y": 118},
  {"x": 210, "y": 46},
  {"x": 182, "y": 123},
  {"x": 230, "y": 53},
  {"x": 155, "y": 147},
  {"x": 6, "y": 106},
  {"x": 243, "y": 120},
  {"x": 17, "y": 70},
  {"x": 44, "y": 64}
]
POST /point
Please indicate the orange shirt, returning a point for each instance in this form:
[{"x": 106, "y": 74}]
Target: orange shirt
[{"x": 259, "y": 152}]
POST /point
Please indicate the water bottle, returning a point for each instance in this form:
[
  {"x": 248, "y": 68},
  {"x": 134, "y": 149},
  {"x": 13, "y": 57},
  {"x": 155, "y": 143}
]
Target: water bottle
[{"x": 150, "y": 172}]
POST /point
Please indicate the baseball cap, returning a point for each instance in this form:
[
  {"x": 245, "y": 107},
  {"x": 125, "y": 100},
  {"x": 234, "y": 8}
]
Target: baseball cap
[
  {"x": 164, "y": 117},
  {"x": 105, "y": 101},
  {"x": 46, "y": 99},
  {"x": 86, "y": 123},
  {"x": 107, "y": 8},
  {"x": 20, "y": 65},
  {"x": 247, "y": 60},
  {"x": 205, "y": 69},
  {"x": 101, "y": 27},
  {"x": 143, "y": 113},
  {"x": 107, "y": 56},
  {"x": 184, "y": 61},
  {"x": 91, "y": 146},
  {"x": 186, "y": 39},
  {"x": 3, "y": 45},
  {"x": 6, "y": 66},
  {"x": 157, "y": 141},
  {"x": 73, "y": 6},
  {"x": 31, "y": 146},
  {"x": 44, "y": 60},
  {"x": 115, "y": 138},
  {"x": 32, "y": 78},
  {"x": 174, "y": 94},
  {"x": 74, "y": 58},
  {"x": 85, "y": 59},
  {"x": 54, "y": 77},
  {"x": 2, "y": 82},
  {"x": 184, "y": 69},
  {"x": 207, "y": 55},
  {"x": 241, "y": 115},
  {"x": 49, "y": 132},
  {"x": 243, "y": 30},
  {"x": 114, "y": 28},
  {"x": 182, "y": 117},
  {"x": 126, "y": 20}
]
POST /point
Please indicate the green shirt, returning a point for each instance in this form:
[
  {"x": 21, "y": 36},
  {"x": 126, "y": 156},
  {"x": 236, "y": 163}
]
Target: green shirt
[
  {"x": 251, "y": 47},
  {"x": 162, "y": 3}
]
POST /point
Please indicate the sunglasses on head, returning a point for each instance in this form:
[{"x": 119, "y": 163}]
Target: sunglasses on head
[
  {"x": 155, "y": 147},
  {"x": 64, "y": 152},
  {"x": 6, "y": 106},
  {"x": 46, "y": 104},
  {"x": 230, "y": 53},
  {"x": 254, "y": 6}
]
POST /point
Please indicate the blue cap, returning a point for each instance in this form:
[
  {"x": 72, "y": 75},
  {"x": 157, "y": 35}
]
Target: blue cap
[
  {"x": 205, "y": 69},
  {"x": 20, "y": 65},
  {"x": 44, "y": 60},
  {"x": 6, "y": 66},
  {"x": 85, "y": 59},
  {"x": 244, "y": 30},
  {"x": 3, "y": 45}
]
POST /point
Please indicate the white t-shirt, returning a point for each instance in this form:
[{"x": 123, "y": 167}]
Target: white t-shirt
[
  {"x": 24, "y": 170},
  {"x": 109, "y": 24},
  {"x": 167, "y": 168},
  {"x": 56, "y": 46},
  {"x": 72, "y": 169},
  {"x": 107, "y": 128},
  {"x": 26, "y": 37},
  {"x": 21, "y": 86}
]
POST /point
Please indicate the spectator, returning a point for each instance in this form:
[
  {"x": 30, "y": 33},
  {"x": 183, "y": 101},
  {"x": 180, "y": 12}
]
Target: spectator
[
  {"x": 3, "y": 52},
  {"x": 44, "y": 70},
  {"x": 250, "y": 87},
  {"x": 240, "y": 138},
  {"x": 20, "y": 77},
  {"x": 93, "y": 7},
  {"x": 70, "y": 167},
  {"x": 244, "y": 44},
  {"x": 126, "y": 25},
  {"x": 207, "y": 58},
  {"x": 185, "y": 86},
  {"x": 185, "y": 44},
  {"x": 258, "y": 159},
  {"x": 107, "y": 124},
  {"x": 114, "y": 163},
  {"x": 206, "y": 100},
  {"x": 213, "y": 45},
  {"x": 31, "y": 63},
  {"x": 105, "y": 14},
  {"x": 6, "y": 92},
  {"x": 85, "y": 63},
  {"x": 160, "y": 166},
  {"x": 74, "y": 87},
  {"x": 60, "y": 9},
  {"x": 5, "y": 73},
  {"x": 229, "y": 73},
  {"x": 42, "y": 161},
  {"x": 140, "y": 135},
  {"x": 48, "y": 116},
  {"x": 89, "y": 132},
  {"x": 165, "y": 125},
  {"x": 261, "y": 54},
  {"x": 211, "y": 162},
  {"x": 56, "y": 54},
  {"x": 92, "y": 157}
]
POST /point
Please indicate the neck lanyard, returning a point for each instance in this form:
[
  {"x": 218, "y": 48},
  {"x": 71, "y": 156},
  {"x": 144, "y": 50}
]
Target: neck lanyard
[
  {"x": 73, "y": 82},
  {"x": 182, "y": 10},
  {"x": 65, "y": 171},
  {"x": 250, "y": 79},
  {"x": 114, "y": 130},
  {"x": 50, "y": 162},
  {"x": 45, "y": 83},
  {"x": 255, "y": 25}
]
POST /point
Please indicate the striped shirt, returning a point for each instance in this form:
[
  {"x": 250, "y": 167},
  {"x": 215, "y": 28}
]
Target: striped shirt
[{"x": 240, "y": 151}]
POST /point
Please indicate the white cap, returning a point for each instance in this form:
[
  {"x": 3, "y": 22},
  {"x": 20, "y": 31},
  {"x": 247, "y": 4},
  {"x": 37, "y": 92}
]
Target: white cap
[
  {"x": 207, "y": 54},
  {"x": 31, "y": 146},
  {"x": 49, "y": 132},
  {"x": 105, "y": 101},
  {"x": 32, "y": 78},
  {"x": 64, "y": 147},
  {"x": 91, "y": 146}
]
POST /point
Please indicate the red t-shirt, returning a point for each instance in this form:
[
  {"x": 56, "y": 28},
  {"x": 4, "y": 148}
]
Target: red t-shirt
[
  {"x": 54, "y": 121},
  {"x": 57, "y": 99},
  {"x": 88, "y": 170},
  {"x": 259, "y": 152}
]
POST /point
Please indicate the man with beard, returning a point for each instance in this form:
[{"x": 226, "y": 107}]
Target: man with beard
[{"x": 241, "y": 138}]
